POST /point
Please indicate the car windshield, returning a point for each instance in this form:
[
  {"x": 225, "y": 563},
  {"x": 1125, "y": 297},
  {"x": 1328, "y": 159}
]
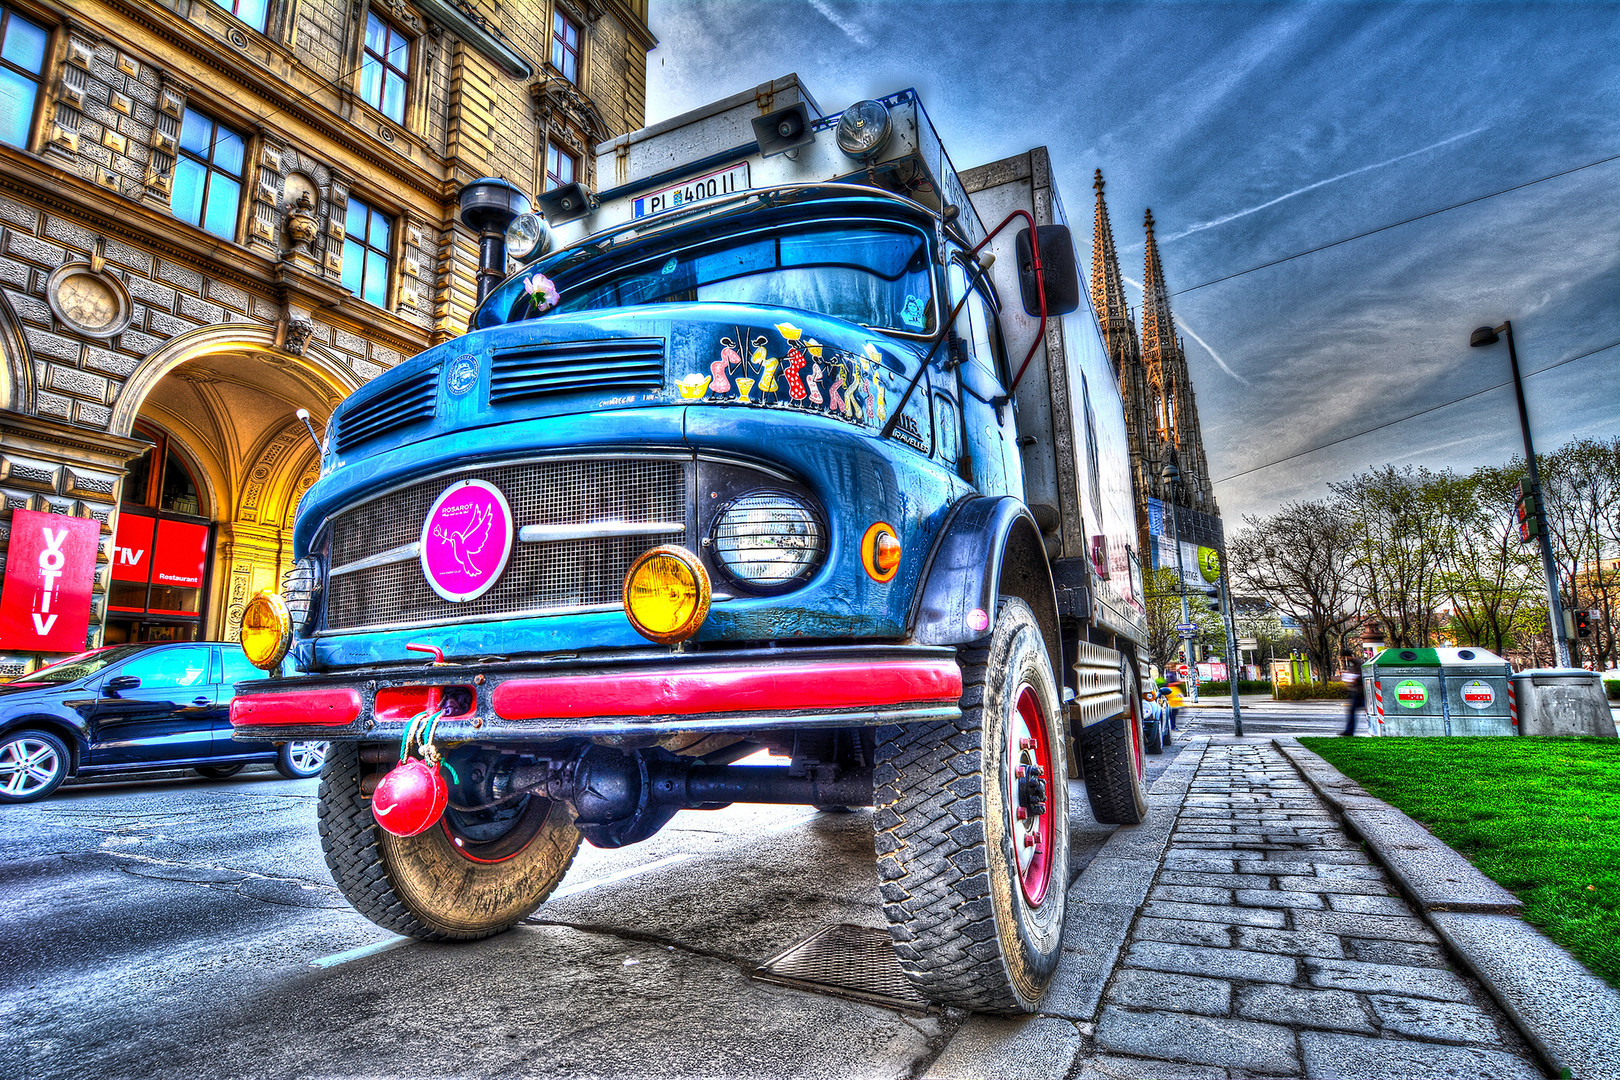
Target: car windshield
[
  {"x": 871, "y": 275},
  {"x": 77, "y": 667}
]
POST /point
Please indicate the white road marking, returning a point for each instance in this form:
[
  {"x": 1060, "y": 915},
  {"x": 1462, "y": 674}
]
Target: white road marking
[{"x": 364, "y": 950}]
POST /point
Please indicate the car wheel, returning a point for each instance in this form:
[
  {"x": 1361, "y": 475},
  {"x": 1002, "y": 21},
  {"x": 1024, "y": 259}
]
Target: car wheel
[
  {"x": 1112, "y": 763},
  {"x": 32, "y": 765},
  {"x": 1155, "y": 736},
  {"x": 469, "y": 876},
  {"x": 972, "y": 829},
  {"x": 220, "y": 772},
  {"x": 300, "y": 760}
]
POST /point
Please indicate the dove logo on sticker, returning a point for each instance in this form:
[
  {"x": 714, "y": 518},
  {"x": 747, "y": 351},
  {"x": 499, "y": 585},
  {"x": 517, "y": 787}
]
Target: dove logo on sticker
[{"x": 466, "y": 540}]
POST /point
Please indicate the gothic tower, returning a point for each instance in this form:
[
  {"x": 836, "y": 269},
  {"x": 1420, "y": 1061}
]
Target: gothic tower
[
  {"x": 1173, "y": 412},
  {"x": 1119, "y": 335}
]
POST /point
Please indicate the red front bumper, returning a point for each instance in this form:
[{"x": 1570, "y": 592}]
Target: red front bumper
[{"x": 514, "y": 701}]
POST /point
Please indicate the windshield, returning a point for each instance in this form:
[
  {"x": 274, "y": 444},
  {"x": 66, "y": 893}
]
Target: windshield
[
  {"x": 874, "y": 276},
  {"x": 77, "y": 667}
]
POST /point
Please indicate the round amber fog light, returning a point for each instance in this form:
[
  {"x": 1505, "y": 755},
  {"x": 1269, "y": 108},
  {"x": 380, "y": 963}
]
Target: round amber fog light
[
  {"x": 880, "y": 552},
  {"x": 666, "y": 594},
  {"x": 266, "y": 630}
]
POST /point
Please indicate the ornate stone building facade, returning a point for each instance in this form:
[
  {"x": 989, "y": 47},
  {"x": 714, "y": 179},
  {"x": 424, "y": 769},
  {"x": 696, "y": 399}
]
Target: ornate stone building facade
[
  {"x": 216, "y": 212},
  {"x": 1161, "y": 411}
]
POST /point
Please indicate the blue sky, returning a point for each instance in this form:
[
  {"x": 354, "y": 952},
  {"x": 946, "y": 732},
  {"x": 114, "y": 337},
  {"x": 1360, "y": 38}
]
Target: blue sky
[{"x": 1256, "y": 131}]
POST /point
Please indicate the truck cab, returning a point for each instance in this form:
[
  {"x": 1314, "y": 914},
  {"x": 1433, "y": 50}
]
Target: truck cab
[{"x": 769, "y": 447}]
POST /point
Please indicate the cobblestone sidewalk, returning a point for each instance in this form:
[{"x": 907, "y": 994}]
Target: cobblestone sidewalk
[{"x": 1269, "y": 944}]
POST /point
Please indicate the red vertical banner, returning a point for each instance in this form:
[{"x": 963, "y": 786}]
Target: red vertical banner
[{"x": 50, "y": 568}]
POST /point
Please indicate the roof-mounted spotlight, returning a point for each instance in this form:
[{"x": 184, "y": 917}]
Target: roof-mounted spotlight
[
  {"x": 529, "y": 237},
  {"x": 864, "y": 130},
  {"x": 784, "y": 131},
  {"x": 567, "y": 203}
]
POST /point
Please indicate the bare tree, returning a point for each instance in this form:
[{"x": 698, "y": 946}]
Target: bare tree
[
  {"x": 1300, "y": 560},
  {"x": 1580, "y": 483},
  {"x": 1397, "y": 543},
  {"x": 1483, "y": 571}
]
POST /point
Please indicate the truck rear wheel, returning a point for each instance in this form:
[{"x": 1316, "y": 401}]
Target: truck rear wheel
[
  {"x": 461, "y": 880},
  {"x": 1112, "y": 763},
  {"x": 972, "y": 829}
]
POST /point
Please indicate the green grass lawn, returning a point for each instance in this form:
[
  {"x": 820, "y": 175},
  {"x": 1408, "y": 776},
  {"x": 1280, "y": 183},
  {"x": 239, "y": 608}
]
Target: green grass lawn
[{"x": 1540, "y": 816}]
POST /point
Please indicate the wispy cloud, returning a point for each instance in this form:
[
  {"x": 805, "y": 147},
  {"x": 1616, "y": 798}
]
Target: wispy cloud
[
  {"x": 855, "y": 33},
  {"x": 1201, "y": 226},
  {"x": 1181, "y": 324}
]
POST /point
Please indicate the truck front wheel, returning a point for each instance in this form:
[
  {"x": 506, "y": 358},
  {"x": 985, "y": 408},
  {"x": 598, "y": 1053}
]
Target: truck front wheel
[
  {"x": 1111, "y": 760},
  {"x": 972, "y": 824},
  {"x": 465, "y": 878}
]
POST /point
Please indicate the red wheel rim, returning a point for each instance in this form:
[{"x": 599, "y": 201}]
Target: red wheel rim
[{"x": 1029, "y": 819}]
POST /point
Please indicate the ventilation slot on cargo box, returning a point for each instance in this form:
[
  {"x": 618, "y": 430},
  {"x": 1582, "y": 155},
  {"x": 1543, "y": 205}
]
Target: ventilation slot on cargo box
[
  {"x": 409, "y": 402},
  {"x": 572, "y": 367}
]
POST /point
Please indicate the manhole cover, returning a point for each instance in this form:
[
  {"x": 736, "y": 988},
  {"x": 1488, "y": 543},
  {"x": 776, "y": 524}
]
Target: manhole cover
[{"x": 846, "y": 961}]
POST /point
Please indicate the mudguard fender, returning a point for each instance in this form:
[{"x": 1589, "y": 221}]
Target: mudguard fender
[{"x": 990, "y": 547}]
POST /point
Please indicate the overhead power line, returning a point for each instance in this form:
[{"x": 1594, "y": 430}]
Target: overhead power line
[
  {"x": 1413, "y": 416},
  {"x": 1396, "y": 225}
]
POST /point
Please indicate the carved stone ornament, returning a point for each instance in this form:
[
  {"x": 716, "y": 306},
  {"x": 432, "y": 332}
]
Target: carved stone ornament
[
  {"x": 94, "y": 304},
  {"x": 301, "y": 225},
  {"x": 298, "y": 331}
]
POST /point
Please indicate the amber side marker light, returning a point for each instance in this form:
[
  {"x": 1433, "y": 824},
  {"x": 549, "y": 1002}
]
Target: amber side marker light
[
  {"x": 666, "y": 594},
  {"x": 880, "y": 552},
  {"x": 266, "y": 630}
]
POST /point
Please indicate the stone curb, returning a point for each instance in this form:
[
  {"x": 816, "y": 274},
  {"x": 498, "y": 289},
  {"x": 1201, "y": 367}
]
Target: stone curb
[
  {"x": 1570, "y": 1016},
  {"x": 1102, "y": 902}
]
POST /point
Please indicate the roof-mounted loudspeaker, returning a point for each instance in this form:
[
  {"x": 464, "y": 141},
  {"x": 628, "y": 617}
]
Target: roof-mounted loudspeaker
[{"x": 783, "y": 130}]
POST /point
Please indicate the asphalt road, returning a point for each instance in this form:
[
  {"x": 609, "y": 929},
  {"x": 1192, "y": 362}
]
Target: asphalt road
[{"x": 173, "y": 928}]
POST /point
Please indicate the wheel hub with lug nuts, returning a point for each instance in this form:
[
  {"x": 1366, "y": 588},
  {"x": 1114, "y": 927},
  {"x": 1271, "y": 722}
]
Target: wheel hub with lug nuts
[
  {"x": 26, "y": 765},
  {"x": 1029, "y": 759}
]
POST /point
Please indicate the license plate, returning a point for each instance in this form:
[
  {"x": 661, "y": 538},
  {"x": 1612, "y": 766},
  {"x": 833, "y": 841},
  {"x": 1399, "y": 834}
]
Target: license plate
[{"x": 724, "y": 182}]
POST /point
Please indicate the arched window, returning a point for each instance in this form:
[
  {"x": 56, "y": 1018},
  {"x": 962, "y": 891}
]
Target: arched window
[{"x": 162, "y": 549}]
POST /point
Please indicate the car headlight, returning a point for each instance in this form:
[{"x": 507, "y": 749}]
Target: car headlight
[
  {"x": 298, "y": 591},
  {"x": 769, "y": 539}
]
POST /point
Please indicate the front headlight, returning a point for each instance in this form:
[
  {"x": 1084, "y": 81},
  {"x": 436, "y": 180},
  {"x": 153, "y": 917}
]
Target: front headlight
[{"x": 768, "y": 540}]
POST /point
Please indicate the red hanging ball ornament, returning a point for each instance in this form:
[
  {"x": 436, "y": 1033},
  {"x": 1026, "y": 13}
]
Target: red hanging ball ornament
[{"x": 410, "y": 799}]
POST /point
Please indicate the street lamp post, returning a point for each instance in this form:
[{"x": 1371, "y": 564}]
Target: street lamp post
[
  {"x": 1487, "y": 335},
  {"x": 1171, "y": 475}
]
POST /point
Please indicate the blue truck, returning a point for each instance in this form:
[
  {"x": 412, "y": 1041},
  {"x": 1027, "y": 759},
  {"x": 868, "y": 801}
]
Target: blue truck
[{"x": 796, "y": 439}]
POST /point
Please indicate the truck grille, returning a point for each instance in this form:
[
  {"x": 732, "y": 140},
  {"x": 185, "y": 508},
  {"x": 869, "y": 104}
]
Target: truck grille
[
  {"x": 410, "y": 402},
  {"x": 546, "y": 576},
  {"x": 565, "y": 367}
]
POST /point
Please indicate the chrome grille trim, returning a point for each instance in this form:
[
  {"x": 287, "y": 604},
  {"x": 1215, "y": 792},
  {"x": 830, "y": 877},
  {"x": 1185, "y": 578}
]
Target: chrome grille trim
[
  {"x": 403, "y": 553},
  {"x": 551, "y": 534},
  {"x": 593, "y": 514},
  {"x": 563, "y": 367}
]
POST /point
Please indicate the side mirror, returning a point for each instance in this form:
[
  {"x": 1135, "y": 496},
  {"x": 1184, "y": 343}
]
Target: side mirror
[
  {"x": 119, "y": 683},
  {"x": 1058, "y": 267}
]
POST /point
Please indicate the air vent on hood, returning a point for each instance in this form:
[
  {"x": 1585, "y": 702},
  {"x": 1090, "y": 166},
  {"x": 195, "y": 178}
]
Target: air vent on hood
[
  {"x": 570, "y": 367},
  {"x": 411, "y": 401}
]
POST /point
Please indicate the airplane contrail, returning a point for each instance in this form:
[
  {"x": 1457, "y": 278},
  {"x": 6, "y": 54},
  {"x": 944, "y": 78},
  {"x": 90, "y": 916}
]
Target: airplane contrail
[
  {"x": 850, "y": 29},
  {"x": 1312, "y": 187},
  {"x": 1190, "y": 332}
]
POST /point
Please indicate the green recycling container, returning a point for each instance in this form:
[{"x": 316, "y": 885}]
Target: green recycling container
[{"x": 1439, "y": 692}]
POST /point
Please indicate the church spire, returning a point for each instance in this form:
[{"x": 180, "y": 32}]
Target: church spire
[
  {"x": 1107, "y": 287},
  {"x": 1158, "y": 327}
]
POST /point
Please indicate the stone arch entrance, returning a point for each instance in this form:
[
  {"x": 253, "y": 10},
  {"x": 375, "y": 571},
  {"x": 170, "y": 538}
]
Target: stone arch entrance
[{"x": 222, "y": 399}]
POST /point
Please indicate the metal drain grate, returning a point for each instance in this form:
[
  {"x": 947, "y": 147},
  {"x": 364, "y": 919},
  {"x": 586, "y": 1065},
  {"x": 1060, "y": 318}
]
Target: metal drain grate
[{"x": 855, "y": 962}]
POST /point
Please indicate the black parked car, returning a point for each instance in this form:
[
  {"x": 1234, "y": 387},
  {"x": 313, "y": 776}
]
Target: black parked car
[{"x": 124, "y": 708}]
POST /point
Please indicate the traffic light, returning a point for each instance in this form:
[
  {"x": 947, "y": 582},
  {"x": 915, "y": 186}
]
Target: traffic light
[
  {"x": 1527, "y": 505},
  {"x": 1212, "y": 597},
  {"x": 1583, "y": 624}
]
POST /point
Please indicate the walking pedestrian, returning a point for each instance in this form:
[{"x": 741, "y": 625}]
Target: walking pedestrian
[
  {"x": 1173, "y": 698},
  {"x": 1350, "y": 672}
]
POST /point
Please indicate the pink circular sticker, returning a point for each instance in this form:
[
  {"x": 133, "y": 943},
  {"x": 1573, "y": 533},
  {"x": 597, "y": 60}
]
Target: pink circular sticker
[{"x": 466, "y": 540}]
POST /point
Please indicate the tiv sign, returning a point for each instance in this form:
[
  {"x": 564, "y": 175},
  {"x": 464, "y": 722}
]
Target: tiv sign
[{"x": 50, "y": 567}]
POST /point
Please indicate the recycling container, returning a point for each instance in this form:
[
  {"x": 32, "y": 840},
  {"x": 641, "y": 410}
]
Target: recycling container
[
  {"x": 1562, "y": 701},
  {"x": 1439, "y": 692}
]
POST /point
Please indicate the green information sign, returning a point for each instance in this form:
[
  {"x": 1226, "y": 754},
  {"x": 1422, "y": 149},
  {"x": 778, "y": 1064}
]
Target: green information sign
[{"x": 1411, "y": 694}]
